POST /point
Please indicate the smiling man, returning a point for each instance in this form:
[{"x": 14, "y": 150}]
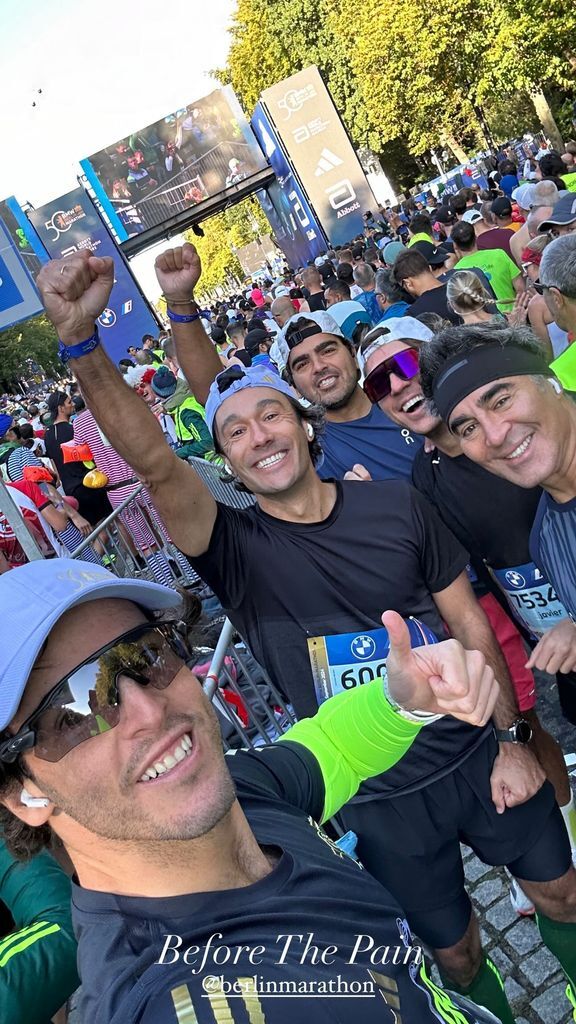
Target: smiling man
[
  {"x": 193, "y": 874},
  {"x": 311, "y": 565},
  {"x": 495, "y": 391}
]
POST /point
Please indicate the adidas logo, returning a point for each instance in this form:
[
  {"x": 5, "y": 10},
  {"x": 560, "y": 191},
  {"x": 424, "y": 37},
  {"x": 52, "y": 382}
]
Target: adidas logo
[{"x": 327, "y": 162}]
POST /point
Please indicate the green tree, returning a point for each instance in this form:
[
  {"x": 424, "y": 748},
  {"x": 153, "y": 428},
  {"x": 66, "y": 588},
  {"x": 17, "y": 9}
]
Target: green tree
[
  {"x": 31, "y": 342},
  {"x": 223, "y": 234},
  {"x": 426, "y": 75}
]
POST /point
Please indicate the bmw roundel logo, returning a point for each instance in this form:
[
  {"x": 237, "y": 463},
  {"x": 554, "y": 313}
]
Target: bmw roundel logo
[
  {"x": 363, "y": 647},
  {"x": 515, "y": 579},
  {"x": 107, "y": 318}
]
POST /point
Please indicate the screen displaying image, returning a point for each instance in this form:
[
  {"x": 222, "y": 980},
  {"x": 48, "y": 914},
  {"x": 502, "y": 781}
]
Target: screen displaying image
[{"x": 188, "y": 156}]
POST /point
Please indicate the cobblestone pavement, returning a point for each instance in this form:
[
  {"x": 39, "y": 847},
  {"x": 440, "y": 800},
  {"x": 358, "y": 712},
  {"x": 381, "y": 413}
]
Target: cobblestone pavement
[{"x": 534, "y": 982}]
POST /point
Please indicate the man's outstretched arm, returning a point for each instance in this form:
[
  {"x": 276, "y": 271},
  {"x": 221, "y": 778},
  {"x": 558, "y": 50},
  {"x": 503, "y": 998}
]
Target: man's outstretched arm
[
  {"x": 178, "y": 271},
  {"x": 74, "y": 292}
]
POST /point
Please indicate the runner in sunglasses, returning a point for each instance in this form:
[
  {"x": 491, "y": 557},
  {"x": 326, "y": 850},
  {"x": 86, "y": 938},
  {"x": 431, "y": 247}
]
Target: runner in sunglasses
[
  {"x": 203, "y": 883},
  {"x": 304, "y": 576}
]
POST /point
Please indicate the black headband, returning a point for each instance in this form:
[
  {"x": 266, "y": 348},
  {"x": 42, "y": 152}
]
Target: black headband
[
  {"x": 463, "y": 373},
  {"x": 297, "y": 336}
]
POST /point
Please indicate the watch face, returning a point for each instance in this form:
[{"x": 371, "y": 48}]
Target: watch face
[{"x": 523, "y": 731}]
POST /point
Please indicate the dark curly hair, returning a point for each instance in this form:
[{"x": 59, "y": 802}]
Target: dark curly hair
[{"x": 25, "y": 841}]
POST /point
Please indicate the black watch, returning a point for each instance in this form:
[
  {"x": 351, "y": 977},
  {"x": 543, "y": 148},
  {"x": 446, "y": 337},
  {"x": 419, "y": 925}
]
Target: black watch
[{"x": 519, "y": 732}]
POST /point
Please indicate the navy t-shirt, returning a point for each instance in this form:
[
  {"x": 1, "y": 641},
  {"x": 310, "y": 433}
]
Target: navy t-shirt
[
  {"x": 257, "y": 942},
  {"x": 386, "y": 449}
]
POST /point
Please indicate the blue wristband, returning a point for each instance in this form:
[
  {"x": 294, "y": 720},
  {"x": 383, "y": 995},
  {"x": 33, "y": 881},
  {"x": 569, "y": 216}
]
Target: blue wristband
[
  {"x": 67, "y": 352},
  {"x": 180, "y": 318}
]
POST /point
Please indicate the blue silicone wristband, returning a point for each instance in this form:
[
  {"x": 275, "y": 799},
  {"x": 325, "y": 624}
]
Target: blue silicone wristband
[
  {"x": 181, "y": 318},
  {"x": 67, "y": 352}
]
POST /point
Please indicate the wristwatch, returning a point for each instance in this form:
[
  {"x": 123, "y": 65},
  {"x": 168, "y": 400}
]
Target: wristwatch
[{"x": 519, "y": 732}]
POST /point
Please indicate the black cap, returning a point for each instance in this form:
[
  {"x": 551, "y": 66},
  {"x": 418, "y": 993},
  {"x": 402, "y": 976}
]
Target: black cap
[
  {"x": 434, "y": 255},
  {"x": 444, "y": 215},
  {"x": 502, "y": 207},
  {"x": 254, "y": 338}
]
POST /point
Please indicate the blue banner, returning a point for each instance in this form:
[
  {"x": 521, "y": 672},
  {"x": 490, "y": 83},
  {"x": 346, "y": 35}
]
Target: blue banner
[
  {"x": 19, "y": 299},
  {"x": 294, "y": 225},
  {"x": 72, "y": 223}
]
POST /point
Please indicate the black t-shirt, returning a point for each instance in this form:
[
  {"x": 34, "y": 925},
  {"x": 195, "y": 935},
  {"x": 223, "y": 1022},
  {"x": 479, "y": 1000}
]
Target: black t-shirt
[
  {"x": 434, "y": 301},
  {"x": 316, "y": 302},
  {"x": 70, "y": 473},
  {"x": 382, "y": 547},
  {"x": 490, "y": 516},
  {"x": 314, "y": 896}
]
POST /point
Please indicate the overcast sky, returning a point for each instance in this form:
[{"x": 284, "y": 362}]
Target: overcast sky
[{"x": 105, "y": 69}]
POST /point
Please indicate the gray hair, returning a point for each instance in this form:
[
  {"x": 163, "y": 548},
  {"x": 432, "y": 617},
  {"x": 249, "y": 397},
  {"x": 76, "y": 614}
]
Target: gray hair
[
  {"x": 558, "y": 266},
  {"x": 363, "y": 275}
]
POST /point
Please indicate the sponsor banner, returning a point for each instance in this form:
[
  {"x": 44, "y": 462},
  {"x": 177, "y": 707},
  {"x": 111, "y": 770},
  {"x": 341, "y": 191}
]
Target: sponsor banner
[
  {"x": 317, "y": 145},
  {"x": 292, "y": 220},
  {"x": 19, "y": 299},
  {"x": 190, "y": 155},
  {"x": 72, "y": 223}
]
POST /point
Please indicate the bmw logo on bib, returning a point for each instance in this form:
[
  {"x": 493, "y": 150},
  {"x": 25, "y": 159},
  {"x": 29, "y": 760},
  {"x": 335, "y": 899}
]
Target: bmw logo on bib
[
  {"x": 515, "y": 579},
  {"x": 363, "y": 647}
]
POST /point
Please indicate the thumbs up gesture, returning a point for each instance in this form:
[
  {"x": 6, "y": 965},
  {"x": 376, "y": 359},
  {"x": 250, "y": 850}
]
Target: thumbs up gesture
[{"x": 441, "y": 679}]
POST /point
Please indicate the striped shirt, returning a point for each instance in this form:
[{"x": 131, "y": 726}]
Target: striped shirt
[{"x": 553, "y": 547}]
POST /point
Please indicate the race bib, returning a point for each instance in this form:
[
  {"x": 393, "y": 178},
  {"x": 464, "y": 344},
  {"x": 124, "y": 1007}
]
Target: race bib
[
  {"x": 531, "y": 597},
  {"x": 347, "y": 660}
]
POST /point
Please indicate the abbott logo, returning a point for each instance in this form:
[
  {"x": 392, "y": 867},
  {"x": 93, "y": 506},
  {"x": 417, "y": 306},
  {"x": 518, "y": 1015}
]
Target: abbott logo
[
  {"x": 340, "y": 194},
  {"x": 327, "y": 162}
]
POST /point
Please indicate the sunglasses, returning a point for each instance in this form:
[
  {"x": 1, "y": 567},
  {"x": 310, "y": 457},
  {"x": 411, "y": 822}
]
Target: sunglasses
[
  {"x": 86, "y": 702},
  {"x": 404, "y": 364}
]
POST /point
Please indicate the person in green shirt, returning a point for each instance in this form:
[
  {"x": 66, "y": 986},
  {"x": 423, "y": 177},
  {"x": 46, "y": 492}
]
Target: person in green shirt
[
  {"x": 420, "y": 228},
  {"x": 558, "y": 286},
  {"x": 38, "y": 958},
  {"x": 504, "y": 275}
]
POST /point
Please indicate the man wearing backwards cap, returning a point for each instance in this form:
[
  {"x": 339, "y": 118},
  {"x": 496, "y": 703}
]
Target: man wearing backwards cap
[
  {"x": 310, "y": 560},
  {"x": 192, "y": 874},
  {"x": 355, "y": 429}
]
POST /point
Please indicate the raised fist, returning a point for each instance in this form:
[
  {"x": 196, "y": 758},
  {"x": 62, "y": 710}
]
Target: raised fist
[
  {"x": 75, "y": 291},
  {"x": 178, "y": 271}
]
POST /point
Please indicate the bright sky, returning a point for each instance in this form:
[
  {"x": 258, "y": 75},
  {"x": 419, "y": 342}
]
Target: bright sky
[{"x": 105, "y": 69}]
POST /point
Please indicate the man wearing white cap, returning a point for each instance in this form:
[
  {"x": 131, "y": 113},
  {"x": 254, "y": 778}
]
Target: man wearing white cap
[{"x": 109, "y": 745}]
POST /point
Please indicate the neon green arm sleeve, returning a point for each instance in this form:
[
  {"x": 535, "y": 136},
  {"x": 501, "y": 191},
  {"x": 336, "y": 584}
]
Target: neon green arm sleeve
[{"x": 353, "y": 736}]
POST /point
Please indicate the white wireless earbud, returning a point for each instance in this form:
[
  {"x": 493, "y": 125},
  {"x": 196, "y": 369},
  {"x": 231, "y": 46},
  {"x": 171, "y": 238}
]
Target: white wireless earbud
[
  {"x": 228, "y": 468},
  {"x": 32, "y": 801},
  {"x": 556, "y": 385},
  {"x": 309, "y": 431}
]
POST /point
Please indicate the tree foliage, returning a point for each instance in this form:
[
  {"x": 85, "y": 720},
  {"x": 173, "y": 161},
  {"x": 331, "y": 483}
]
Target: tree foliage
[
  {"x": 223, "y": 234},
  {"x": 406, "y": 69},
  {"x": 27, "y": 346}
]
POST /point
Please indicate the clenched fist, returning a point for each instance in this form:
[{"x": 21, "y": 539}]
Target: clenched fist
[
  {"x": 178, "y": 271},
  {"x": 74, "y": 292}
]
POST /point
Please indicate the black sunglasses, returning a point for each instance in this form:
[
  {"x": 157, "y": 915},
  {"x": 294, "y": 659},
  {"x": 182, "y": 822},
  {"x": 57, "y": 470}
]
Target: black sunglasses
[
  {"x": 86, "y": 702},
  {"x": 405, "y": 364}
]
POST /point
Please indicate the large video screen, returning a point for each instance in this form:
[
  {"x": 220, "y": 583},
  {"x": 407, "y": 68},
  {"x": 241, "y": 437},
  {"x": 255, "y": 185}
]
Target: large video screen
[{"x": 188, "y": 156}]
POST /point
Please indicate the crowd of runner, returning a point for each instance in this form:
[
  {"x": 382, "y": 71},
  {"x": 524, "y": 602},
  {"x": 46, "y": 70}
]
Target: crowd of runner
[{"x": 402, "y": 412}]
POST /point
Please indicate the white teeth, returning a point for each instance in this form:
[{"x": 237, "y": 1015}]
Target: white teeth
[
  {"x": 183, "y": 750},
  {"x": 271, "y": 460},
  {"x": 520, "y": 449},
  {"x": 327, "y": 382},
  {"x": 411, "y": 402}
]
